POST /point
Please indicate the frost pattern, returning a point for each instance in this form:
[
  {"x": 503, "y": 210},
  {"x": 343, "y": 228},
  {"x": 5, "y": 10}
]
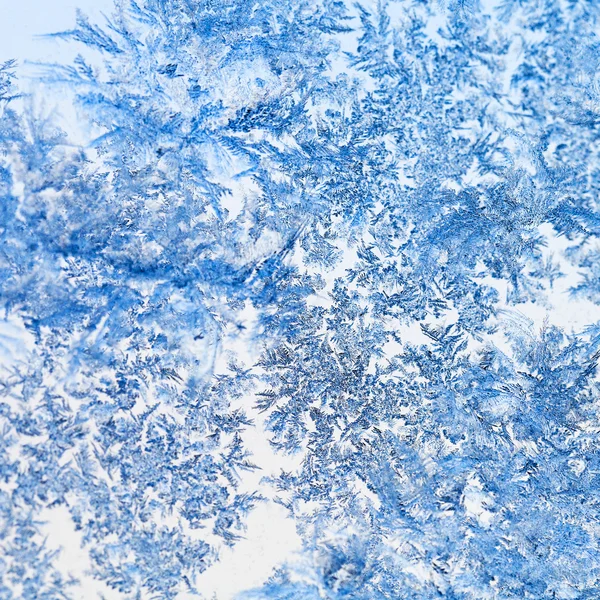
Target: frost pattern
[{"x": 367, "y": 231}]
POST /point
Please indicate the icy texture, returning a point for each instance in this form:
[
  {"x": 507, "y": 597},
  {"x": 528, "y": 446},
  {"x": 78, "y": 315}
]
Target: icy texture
[{"x": 366, "y": 232}]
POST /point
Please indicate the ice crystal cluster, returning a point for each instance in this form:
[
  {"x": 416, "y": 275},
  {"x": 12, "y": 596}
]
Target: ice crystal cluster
[{"x": 328, "y": 260}]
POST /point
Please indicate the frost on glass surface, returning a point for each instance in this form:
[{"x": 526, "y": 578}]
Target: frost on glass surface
[{"x": 328, "y": 260}]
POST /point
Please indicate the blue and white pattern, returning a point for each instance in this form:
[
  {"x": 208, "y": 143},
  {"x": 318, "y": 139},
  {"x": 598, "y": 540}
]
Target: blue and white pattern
[{"x": 313, "y": 311}]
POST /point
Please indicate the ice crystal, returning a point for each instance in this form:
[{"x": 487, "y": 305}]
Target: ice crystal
[{"x": 367, "y": 231}]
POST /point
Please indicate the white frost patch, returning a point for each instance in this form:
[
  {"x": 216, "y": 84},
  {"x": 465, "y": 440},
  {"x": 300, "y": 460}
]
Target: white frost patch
[
  {"x": 271, "y": 538},
  {"x": 476, "y": 501},
  {"x": 73, "y": 558},
  {"x": 15, "y": 341}
]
